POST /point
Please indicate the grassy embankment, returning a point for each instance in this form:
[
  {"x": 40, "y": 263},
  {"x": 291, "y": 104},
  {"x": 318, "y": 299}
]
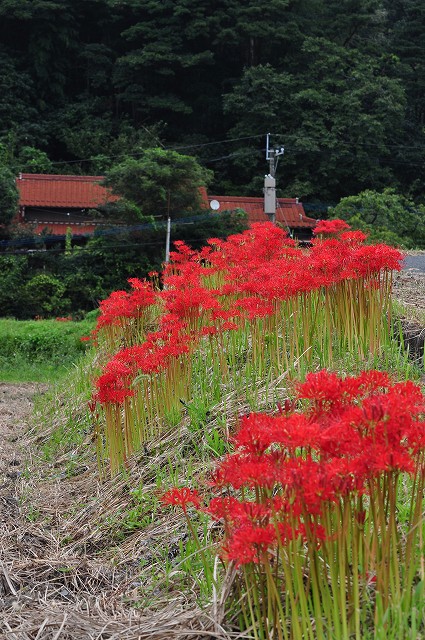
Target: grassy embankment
[
  {"x": 150, "y": 548},
  {"x": 130, "y": 528}
]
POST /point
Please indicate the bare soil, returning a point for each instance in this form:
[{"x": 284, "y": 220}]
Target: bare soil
[
  {"x": 409, "y": 288},
  {"x": 53, "y": 591},
  {"x": 16, "y": 404}
]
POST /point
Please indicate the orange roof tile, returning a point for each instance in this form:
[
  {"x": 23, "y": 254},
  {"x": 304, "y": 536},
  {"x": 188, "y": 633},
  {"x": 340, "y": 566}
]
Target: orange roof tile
[
  {"x": 289, "y": 211},
  {"x": 79, "y": 192}
]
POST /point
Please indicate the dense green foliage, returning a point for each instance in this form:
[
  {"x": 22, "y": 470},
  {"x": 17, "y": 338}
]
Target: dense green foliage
[
  {"x": 386, "y": 217},
  {"x": 40, "y": 350},
  {"x": 159, "y": 182},
  {"x": 8, "y": 195},
  {"x": 51, "y": 282},
  {"x": 340, "y": 83}
]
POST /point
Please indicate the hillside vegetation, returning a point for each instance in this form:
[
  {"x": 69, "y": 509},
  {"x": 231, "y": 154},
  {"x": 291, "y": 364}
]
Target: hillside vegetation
[{"x": 339, "y": 83}]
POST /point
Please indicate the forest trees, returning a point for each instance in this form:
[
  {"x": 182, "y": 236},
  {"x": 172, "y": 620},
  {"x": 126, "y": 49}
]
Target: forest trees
[
  {"x": 341, "y": 82},
  {"x": 338, "y": 115},
  {"x": 8, "y": 196}
]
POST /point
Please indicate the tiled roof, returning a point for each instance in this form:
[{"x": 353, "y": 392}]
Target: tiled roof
[
  {"x": 79, "y": 192},
  {"x": 289, "y": 211},
  {"x": 85, "y": 192}
]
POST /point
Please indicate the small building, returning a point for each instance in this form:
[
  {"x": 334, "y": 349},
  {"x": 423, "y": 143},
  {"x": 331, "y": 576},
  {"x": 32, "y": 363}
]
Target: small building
[
  {"x": 289, "y": 213},
  {"x": 54, "y": 203}
]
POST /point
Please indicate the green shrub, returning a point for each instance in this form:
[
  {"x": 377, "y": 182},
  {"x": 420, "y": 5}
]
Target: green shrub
[
  {"x": 44, "y": 296},
  {"x": 43, "y": 340},
  {"x": 387, "y": 217}
]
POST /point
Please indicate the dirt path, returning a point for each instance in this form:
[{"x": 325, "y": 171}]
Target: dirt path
[
  {"x": 409, "y": 288},
  {"x": 16, "y": 403},
  {"x": 50, "y": 590}
]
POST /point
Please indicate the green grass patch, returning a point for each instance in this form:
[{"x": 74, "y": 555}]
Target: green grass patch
[
  {"x": 63, "y": 420},
  {"x": 40, "y": 350}
]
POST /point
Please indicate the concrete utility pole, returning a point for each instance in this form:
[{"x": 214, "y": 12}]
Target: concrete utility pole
[
  {"x": 168, "y": 236},
  {"x": 270, "y": 197},
  {"x": 167, "y": 241},
  {"x": 270, "y": 180}
]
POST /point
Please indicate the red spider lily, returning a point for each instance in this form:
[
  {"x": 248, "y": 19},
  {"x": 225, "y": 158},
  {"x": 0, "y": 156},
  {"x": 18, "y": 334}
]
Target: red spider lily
[
  {"x": 243, "y": 470},
  {"x": 330, "y": 227},
  {"x": 255, "y": 307},
  {"x": 255, "y": 281},
  {"x": 113, "y": 386},
  {"x": 353, "y": 237},
  {"x": 363, "y": 426},
  {"x": 123, "y": 304},
  {"x": 327, "y": 391},
  {"x": 181, "y": 497},
  {"x": 234, "y": 511},
  {"x": 257, "y": 432},
  {"x": 249, "y": 543}
]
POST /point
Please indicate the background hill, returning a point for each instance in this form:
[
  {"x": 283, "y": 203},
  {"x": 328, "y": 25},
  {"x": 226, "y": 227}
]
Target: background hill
[{"x": 340, "y": 84}]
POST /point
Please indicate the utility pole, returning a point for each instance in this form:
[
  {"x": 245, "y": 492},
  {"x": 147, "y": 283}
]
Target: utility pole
[
  {"x": 168, "y": 236},
  {"x": 270, "y": 180},
  {"x": 167, "y": 241},
  {"x": 270, "y": 197}
]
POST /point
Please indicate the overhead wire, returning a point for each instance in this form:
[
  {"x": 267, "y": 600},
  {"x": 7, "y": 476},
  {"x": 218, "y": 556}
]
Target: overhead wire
[
  {"x": 166, "y": 148},
  {"x": 158, "y": 226},
  {"x": 87, "y": 250}
]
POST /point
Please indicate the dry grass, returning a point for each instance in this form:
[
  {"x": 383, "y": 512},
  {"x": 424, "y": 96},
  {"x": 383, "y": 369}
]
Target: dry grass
[{"x": 70, "y": 571}]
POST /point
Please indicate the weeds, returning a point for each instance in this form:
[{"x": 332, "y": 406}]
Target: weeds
[{"x": 40, "y": 351}]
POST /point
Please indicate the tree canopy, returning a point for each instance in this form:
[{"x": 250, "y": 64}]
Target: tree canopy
[
  {"x": 8, "y": 195},
  {"x": 340, "y": 83},
  {"x": 159, "y": 182},
  {"x": 386, "y": 216}
]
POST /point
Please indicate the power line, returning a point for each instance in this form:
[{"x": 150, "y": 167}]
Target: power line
[
  {"x": 85, "y": 250},
  {"x": 386, "y": 161},
  {"x": 177, "y": 148},
  {"x": 161, "y": 224},
  {"x": 228, "y": 140}
]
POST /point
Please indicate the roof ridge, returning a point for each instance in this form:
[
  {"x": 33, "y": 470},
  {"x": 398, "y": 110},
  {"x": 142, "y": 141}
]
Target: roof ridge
[{"x": 51, "y": 177}]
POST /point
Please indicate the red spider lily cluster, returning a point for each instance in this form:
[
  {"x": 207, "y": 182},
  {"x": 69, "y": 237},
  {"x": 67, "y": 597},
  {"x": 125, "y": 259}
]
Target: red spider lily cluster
[
  {"x": 316, "y": 490},
  {"x": 330, "y": 227},
  {"x": 126, "y": 315},
  {"x": 354, "y": 431},
  {"x": 255, "y": 297}
]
